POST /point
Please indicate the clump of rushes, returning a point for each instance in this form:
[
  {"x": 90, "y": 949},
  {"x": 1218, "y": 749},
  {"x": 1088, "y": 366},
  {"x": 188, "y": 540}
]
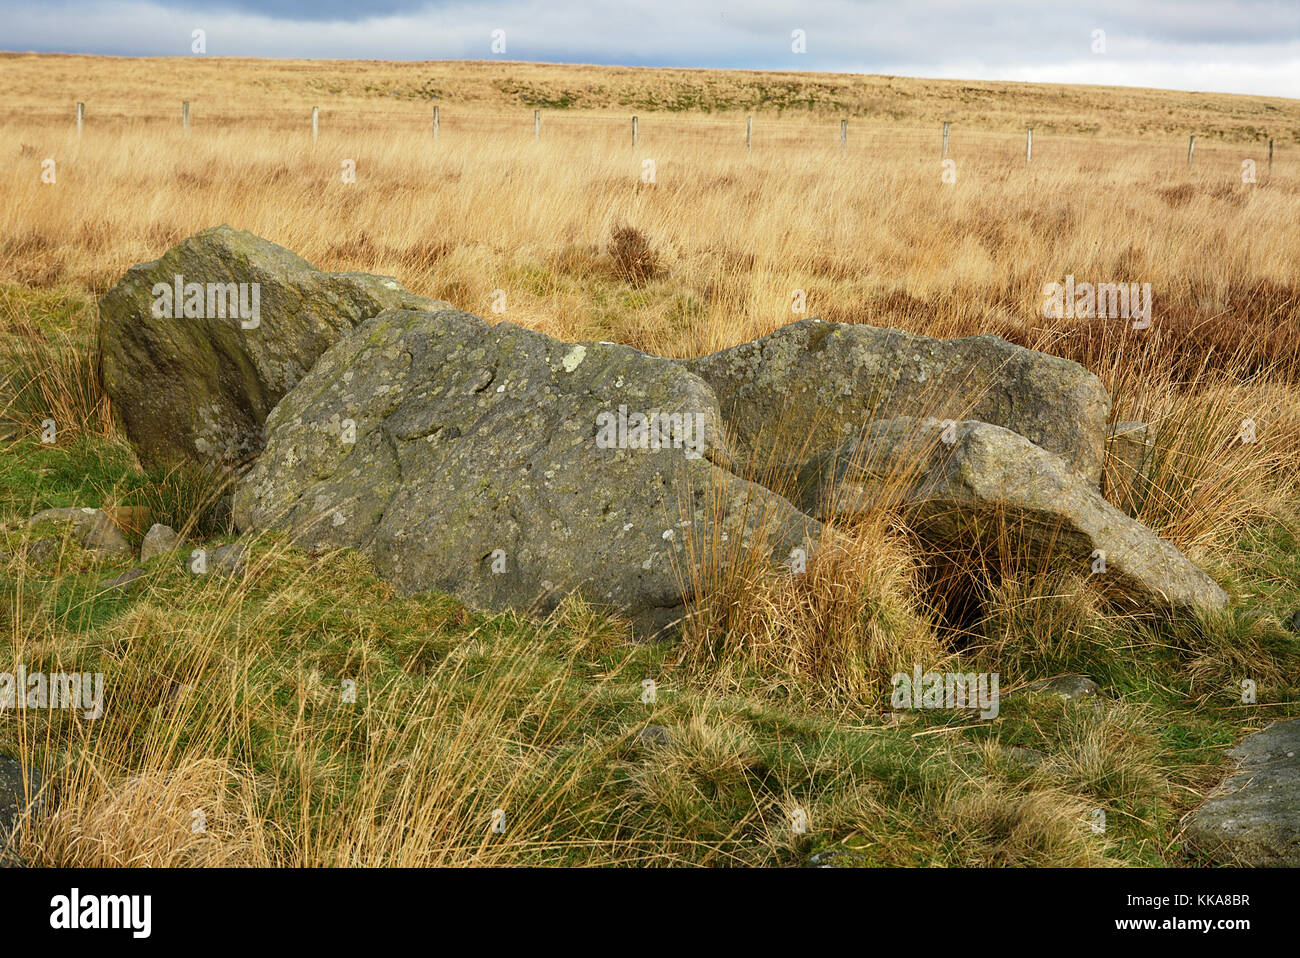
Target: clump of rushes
[{"x": 635, "y": 260}]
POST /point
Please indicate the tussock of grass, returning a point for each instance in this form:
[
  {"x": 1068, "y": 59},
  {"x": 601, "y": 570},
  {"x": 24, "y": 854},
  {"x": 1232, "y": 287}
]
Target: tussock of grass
[
  {"x": 1108, "y": 752},
  {"x": 51, "y": 378},
  {"x": 837, "y": 630},
  {"x": 1033, "y": 625},
  {"x": 984, "y": 824}
]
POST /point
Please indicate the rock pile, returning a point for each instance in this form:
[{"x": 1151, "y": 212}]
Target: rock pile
[{"x": 510, "y": 469}]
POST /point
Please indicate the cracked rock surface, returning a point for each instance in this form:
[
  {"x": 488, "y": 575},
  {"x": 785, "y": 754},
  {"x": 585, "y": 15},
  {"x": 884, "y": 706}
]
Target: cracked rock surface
[{"x": 962, "y": 485}]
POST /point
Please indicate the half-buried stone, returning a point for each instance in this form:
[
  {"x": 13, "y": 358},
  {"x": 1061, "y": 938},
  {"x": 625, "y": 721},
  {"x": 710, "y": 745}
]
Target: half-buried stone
[
  {"x": 92, "y": 528},
  {"x": 511, "y": 469},
  {"x": 1253, "y": 818}
]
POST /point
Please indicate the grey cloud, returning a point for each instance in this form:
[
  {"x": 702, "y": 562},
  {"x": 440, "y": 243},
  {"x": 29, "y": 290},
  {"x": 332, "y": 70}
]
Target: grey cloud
[{"x": 1252, "y": 45}]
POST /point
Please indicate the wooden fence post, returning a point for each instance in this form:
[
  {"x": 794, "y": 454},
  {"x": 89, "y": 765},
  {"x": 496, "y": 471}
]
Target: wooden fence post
[
  {"x": 81, "y": 116},
  {"x": 749, "y": 133},
  {"x": 315, "y": 122},
  {"x": 185, "y": 115},
  {"x": 1270, "y": 157},
  {"x": 844, "y": 137},
  {"x": 634, "y": 133},
  {"x": 435, "y": 124},
  {"x": 1029, "y": 145},
  {"x": 945, "y": 139},
  {"x": 1191, "y": 148},
  {"x": 537, "y": 124}
]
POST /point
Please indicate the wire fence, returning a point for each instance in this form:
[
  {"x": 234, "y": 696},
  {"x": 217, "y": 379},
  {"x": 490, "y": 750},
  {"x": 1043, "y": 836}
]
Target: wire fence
[{"x": 750, "y": 133}]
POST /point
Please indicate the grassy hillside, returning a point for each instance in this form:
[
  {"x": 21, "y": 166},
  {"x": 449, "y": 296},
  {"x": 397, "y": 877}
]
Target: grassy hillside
[{"x": 42, "y": 83}]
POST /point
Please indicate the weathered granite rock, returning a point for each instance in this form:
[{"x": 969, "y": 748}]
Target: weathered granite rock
[
  {"x": 487, "y": 462},
  {"x": 960, "y": 481},
  {"x": 195, "y": 376},
  {"x": 808, "y": 386},
  {"x": 159, "y": 540},
  {"x": 1253, "y": 818},
  {"x": 92, "y": 528}
]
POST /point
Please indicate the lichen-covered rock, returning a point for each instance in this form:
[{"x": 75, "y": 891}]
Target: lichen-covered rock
[
  {"x": 1253, "y": 818},
  {"x": 963, "y": 480},
  {"x": 808, "y": 386},
  {"x": 509, "y": 468},
  {"x": 159, "y": 540},
  {"x": 194, "y": 373},
  {"x": 93, "y": 530}
]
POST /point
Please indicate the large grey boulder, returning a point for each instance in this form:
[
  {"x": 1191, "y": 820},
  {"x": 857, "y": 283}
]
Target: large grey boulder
[
  {"x": 486, "y": 462},
  {"x": 1253, "y": 818},
  {"x": 194, "y": 376},
  {"x": 808, "y": 386},
  {"x": 962, "y": 481}
]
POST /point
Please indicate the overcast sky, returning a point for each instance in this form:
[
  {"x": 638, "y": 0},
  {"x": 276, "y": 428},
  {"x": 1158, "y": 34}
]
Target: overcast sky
[{"x": 1235, "y": 46}]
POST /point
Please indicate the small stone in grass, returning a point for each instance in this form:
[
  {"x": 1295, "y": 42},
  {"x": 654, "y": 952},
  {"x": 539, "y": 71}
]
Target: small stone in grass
[
  {"x": 655, "y": 735},
  {"x": 159, "y": 540}
]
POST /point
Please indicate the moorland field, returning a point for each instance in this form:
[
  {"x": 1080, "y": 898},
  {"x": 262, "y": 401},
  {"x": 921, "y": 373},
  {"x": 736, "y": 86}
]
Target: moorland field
[{"x": 223, "y": 695}]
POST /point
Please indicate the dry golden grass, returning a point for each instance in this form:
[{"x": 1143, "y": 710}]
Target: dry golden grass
[
  {"x": 874, "y": 236},
  {"x": 835, "y": 633}
]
